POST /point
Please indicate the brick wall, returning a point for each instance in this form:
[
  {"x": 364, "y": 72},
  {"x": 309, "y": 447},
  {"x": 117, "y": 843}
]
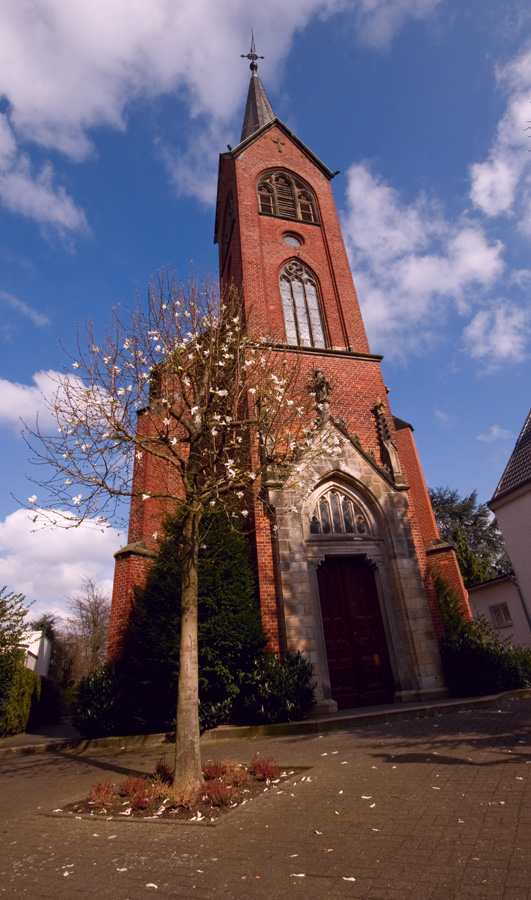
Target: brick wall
[
  {"x": 252, "y": 260},
  {"x": 432, "y": 553}
]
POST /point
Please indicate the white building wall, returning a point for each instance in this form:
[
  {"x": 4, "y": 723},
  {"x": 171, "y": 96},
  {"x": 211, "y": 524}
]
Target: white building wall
[
  {"x": 514, "y": 519},
  {"x": 502, "y": 591},
  {"x": 38, "y": 652}
]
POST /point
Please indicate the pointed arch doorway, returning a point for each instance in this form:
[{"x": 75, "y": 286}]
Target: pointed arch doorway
[{"x": 356, "y": 647}]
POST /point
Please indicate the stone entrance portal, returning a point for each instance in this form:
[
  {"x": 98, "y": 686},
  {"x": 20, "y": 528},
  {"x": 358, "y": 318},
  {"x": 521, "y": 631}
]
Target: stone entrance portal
[{"x": 356, "y": 647}]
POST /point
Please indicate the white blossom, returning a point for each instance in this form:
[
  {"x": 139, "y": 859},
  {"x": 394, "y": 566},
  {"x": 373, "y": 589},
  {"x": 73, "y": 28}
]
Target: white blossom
[
  {"x": 75, "y": 365},
  {"x": 145, "y": 496},
  {"x": 32, "y": 499},
  {"x": 77, "y": 500}
]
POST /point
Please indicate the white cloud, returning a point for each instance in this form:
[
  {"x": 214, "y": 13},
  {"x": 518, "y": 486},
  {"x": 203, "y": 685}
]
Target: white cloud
[
  {"x": 36, "y": 197},
  {"x": 498, "y": 334},
  {"x": 379, "y": 20},
  {"x": 8, "y": 144},
  {"x": 410, "y": 263},
  {"x": 47, "y": 565},
  {"x": 67, "y": 68},
  {"x": 495, "y": 433},
  {"x": 501, "y": 184},
  {"x": 33, "y": 315},
  {"x": 24, "y": 401}
]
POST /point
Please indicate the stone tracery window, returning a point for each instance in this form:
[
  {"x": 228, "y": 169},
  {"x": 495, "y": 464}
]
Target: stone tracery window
[
  {"x": 335, "y": 513},
  {"x": 280, "y": 194},
  {"x": 301, "y": 306}
]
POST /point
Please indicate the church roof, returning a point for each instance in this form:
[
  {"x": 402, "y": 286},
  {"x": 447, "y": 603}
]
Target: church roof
[
  {"x": 518, "y": 469},
  {"x": 258, "y": 110}
]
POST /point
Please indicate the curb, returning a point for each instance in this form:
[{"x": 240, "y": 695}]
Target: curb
[{"x": 321, "y": 725}]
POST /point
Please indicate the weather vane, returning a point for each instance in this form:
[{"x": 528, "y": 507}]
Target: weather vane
[{"x": 252, "y": 55}]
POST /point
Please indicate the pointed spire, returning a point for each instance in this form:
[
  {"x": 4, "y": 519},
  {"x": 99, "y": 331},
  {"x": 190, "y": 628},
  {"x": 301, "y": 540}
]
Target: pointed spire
[{"x": 258, "y": 110}]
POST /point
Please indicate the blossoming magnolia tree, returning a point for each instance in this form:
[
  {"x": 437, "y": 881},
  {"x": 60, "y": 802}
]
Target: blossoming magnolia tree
[{"x": 186, "y": 384}]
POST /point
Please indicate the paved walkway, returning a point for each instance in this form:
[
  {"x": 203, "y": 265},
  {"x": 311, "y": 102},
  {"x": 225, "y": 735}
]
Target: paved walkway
[{"x": 433, "y": 808}]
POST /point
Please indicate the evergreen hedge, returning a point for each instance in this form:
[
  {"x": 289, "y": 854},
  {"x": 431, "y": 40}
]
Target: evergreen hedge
[
  {"x": 230, "y": 631},
  {"x": 237, "y": 679},
  {"x": 475, "y": 659},
  {"x": 15, "y": 705}
]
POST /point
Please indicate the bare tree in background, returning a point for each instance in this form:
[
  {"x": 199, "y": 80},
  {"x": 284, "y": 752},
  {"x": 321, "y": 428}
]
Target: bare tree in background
[
  {"x": 188, "y": 388},
  {"x": 87, "y": 627},
  {"x": 79, "y": 640}
]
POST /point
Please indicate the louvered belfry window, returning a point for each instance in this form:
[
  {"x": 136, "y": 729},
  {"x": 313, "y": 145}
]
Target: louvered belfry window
[
  {"x": 301, "y": 306},
  {"x": 282, "y": 195}
]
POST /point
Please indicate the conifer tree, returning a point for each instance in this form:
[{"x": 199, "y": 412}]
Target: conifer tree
[
  {"x": 473, "y": 532},
  {"x": 230, "y": 633}
]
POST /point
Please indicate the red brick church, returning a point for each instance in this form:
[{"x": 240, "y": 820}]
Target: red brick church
[{"x": 346, "y": 577}]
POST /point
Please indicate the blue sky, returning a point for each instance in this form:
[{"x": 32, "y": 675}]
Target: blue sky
[{"x": 112, "y": 116}]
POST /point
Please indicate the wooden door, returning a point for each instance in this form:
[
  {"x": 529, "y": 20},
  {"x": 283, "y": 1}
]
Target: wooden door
[{"x": 358, "y": 659}]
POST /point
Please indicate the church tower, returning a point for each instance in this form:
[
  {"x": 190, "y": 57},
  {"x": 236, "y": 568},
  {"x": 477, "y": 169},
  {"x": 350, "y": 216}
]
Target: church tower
[
  {"x": 345, "y": 547},
  {"x": 344, "y": 558}
]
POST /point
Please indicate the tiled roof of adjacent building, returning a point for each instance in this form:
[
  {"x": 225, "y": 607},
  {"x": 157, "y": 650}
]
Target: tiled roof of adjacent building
[{"x": 518, "y": 469}]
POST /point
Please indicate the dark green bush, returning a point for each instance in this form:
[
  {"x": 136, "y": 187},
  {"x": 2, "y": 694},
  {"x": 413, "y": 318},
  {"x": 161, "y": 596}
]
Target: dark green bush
[
  {"x": 275, "y": 691},
  {"x": 140, "y": 693},
  {"x": 47, "y": 709},
  {"x": 101, "y": 702},
  {"x": 475, "y": 659},
  {"x": 230, "y": 632},
  {"x": 16, "y": 703},
  {"x": 237, "y": 680}
]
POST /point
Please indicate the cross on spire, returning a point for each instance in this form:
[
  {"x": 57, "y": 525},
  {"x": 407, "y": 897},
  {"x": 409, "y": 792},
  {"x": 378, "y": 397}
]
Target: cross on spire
[{"x": 252, "y": 55}]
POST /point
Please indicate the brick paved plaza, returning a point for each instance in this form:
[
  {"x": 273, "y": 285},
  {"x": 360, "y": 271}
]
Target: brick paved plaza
[{"x": 425, "y": 809}]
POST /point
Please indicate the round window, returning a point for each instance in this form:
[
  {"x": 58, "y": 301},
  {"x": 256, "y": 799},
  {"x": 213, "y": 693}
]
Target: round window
[{"x": 292, "y": 239}]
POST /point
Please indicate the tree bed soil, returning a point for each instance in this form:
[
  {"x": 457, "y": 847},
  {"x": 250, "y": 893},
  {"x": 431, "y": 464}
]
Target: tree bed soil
[{"x": 227, "y": 787}]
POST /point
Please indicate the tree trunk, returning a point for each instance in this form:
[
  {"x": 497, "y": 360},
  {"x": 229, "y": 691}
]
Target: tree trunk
[{"x": 188, "y": 773}]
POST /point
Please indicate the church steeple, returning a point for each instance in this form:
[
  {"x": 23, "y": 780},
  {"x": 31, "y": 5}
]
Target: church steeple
[{"x": 258, "y": 110}]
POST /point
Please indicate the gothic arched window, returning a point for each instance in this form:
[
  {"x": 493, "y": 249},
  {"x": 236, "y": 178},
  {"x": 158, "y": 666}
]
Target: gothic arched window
[
  {"x": 335, "y": 513},
  {"x": 280, "y": 194},
  {"x": 301, "y": 306}
]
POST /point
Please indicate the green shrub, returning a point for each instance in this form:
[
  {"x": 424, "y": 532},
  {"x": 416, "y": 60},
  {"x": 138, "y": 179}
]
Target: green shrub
[
  {"x": 230, "y": 633},
  {"x": 47, "y": 709},
  {"x": 101, "y": 702},
  {"x": 275, "y": 691},
  {"x": 140, "y": 693},
  {"x": 238, "y": 681},
  {"x": 475, "y": 659},
  {"x": 16, "y": 702}
]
